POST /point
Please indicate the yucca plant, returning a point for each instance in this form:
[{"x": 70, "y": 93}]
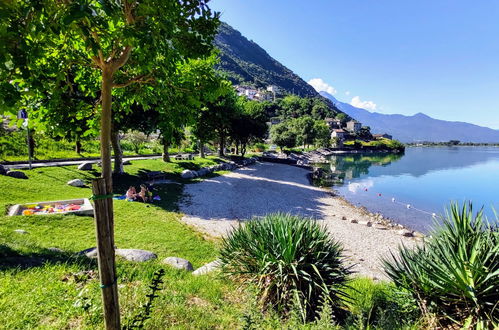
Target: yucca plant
[
  {"x": 455, "y": 274},
  {"x": 292, "y": 260}
]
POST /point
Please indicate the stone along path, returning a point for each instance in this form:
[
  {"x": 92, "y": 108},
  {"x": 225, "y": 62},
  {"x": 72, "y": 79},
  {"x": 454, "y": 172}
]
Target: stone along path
[{"x": 216, "y": 205}]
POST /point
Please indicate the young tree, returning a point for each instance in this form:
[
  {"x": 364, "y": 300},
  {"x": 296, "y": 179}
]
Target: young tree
[
  {"x": 322, "y": 134},
  {"x": 217, "y": 117},
  {"x": 245, "y": 129},
  {"x": 304, "y": 130},
  {"x": 283, "y": 136}
]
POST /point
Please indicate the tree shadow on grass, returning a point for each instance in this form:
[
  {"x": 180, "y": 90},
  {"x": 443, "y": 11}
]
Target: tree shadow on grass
[{"x": 13, "y": 259}]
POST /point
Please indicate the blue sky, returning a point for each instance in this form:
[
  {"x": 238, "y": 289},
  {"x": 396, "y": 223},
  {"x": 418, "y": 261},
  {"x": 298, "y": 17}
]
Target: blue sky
[{"x": 438, "y": 57}]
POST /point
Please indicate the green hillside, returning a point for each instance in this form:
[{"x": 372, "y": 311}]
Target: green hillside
[{"x": 245, "y": 62}]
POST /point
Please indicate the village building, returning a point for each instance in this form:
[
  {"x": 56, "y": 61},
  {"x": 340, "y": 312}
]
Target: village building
[
  {"x": 354, "y": 126},
  {"x": 339, "y": 133},
  {"x": 333, "y": 123}
]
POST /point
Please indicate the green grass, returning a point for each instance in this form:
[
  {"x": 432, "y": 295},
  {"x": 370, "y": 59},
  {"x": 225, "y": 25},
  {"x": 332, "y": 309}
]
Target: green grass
[{"x": 34, "y": 295}]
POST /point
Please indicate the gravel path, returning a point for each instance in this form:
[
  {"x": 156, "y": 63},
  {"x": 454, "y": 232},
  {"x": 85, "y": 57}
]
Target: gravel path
[{"x": 216, "y": 205}]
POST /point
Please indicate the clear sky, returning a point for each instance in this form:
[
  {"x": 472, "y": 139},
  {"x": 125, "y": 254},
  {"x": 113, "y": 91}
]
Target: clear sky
[{"x": 439, "y": 57}]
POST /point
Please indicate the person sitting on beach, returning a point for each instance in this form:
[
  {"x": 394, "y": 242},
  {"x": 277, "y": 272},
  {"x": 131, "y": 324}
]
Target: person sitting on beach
[
  {"x": 145, "y": 195},
  {"x": 131, "y": 194}
]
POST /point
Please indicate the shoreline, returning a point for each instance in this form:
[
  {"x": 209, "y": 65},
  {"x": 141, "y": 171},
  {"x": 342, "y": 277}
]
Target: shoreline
[{"x": 217, "y": 205}]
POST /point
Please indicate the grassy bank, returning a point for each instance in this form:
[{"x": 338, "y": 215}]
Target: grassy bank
[
  {"x": 45, "y": 288},
  {"x": 39, "y": 287}
]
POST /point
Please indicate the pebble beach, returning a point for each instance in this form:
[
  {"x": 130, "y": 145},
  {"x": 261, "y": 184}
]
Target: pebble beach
[{"x": 216, "y": 205}]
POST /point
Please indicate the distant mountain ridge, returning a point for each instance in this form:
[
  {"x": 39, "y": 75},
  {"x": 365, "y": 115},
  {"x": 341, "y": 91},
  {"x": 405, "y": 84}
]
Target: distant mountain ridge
[
  {"x": 418, "y": 127},
  {"x": 244, "y": 61}
]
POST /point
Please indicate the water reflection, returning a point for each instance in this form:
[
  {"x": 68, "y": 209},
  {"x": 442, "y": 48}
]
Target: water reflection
[
  {"x": 428, "y": 179},
  {"x": 343, "y": 168}
]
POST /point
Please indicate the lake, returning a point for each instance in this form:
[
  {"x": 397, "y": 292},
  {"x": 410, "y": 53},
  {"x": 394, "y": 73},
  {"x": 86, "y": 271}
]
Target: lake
[{"x": 410, "y": 188}]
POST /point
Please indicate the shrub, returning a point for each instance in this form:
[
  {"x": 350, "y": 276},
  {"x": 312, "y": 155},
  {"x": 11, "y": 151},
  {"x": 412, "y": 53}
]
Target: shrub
[
  {"x": 455, "y": 274},
  {"x": 380, "y": 305},
  {"x": 260, "y": 147},
  {"x": 292, "y": 260}
]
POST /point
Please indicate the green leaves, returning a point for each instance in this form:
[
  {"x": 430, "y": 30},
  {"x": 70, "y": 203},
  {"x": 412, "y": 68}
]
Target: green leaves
[
  {"x": 291, "y": 259},
  {"x": 456, "y": 273}
]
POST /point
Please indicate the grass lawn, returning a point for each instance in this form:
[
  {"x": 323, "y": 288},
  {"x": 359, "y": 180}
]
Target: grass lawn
[
  {"x": 40, "y": 288},
  {"x": 47, "y": 289}
]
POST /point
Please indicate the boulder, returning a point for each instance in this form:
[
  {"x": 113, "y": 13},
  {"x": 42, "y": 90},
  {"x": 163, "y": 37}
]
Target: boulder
[
  {"x": 405, "y": 232},
  {"x": 135, "y": 255},
  {"x": 3, "y": 171},
  {"x": 188, "y": 174},
  {"x": 179, "y": 263},
  {"x": 366, "y": 223},
  {"x": 76, "y": 183},
  {"x": 20, "y": 231},
  {"x": 17, "y": 174},
  {"x": 202, "y": 172},
  {"x": 85, "y": 166},
  {"x": 89, "y": 253},
  {"x": 208, "y": 268}
]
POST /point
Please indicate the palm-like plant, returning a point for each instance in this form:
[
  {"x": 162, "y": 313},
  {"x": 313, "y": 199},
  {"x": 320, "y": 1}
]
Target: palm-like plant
[
  {"x": 456, "y": 272},
  {"x": 291, "y": 259}
]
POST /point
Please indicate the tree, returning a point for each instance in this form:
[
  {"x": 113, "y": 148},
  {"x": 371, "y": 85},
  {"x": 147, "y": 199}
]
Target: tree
[
  {"x": 216, "y": 118},
  {"x": 342, "y": 117},
  {"x": 322, "y": 134},
  {"x": 365, "y": 133},
  {"x": 196, "y": 84},
  {"x": 119, "y": 43},
  {"x": 283, "y": 136},
  {"x": 245, "y": 129},
  {"x": 304, "y": 130},
  {"x": 320, "y": 110}
]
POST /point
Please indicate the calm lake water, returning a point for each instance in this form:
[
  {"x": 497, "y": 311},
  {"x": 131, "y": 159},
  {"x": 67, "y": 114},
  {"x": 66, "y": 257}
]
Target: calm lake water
[{"x": 427, "y": 179}]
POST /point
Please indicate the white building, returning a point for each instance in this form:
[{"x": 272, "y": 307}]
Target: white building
[{"x": 354, "y": 126}]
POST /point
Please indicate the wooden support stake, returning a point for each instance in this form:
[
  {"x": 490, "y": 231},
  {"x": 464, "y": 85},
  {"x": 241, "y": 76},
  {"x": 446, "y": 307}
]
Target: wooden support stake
[{"x": 104, "y": 227}]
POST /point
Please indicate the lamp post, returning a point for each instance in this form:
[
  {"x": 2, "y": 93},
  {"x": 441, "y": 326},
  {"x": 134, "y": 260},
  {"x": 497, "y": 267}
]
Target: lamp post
[{"x": 23, "y": 114}]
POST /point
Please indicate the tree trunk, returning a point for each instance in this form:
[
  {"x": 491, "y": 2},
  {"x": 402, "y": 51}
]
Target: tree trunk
[
  {"x": 105, "y": 134},
  {"x": 221, "y": 146},
  {"x": 31, "y": 144},
  {"x": 118, "y": 153},
  {"x": 78, "y": 145},
  {"x": 237, "y": 147},
  {"x": 104, "y": 214},
  {"x": 166, "y": 154},
  {"x": 201, "y": 149},
  {"x": 243, "y": 149}
]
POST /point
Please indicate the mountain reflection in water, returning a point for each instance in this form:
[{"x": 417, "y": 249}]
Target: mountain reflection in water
[{"x": 427, "y": 179}]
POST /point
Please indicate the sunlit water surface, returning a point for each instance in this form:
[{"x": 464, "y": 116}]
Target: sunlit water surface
[{"x": 410, "y": 188}]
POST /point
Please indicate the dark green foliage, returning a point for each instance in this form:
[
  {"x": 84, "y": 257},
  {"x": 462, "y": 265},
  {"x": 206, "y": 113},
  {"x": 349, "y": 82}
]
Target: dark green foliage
[
  {"x": 244, "y": 61},
  {"x": 282, "y": 136},
  {"x": 455, "y": 274},
  {"x": 292, "y": 260}
]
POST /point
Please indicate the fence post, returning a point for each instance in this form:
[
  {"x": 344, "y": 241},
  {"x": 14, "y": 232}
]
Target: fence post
[{"x": 104, "y": 227}]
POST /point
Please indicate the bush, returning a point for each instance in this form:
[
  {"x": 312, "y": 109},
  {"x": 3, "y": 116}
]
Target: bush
[
  {"x": 380, "y": 305},
  {"x": 292, "y": 260},
  {"x": 455, "y": 274},
  {"x": 260, "y": 147}
]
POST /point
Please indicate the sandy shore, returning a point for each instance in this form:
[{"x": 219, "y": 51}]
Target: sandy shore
[{"x": 216, "y": 205}]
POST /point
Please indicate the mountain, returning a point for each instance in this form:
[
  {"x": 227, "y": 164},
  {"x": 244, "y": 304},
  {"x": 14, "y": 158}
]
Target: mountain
[
  {"x": 245, "y": 62},
  {"x": 418, "y": 127}
]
